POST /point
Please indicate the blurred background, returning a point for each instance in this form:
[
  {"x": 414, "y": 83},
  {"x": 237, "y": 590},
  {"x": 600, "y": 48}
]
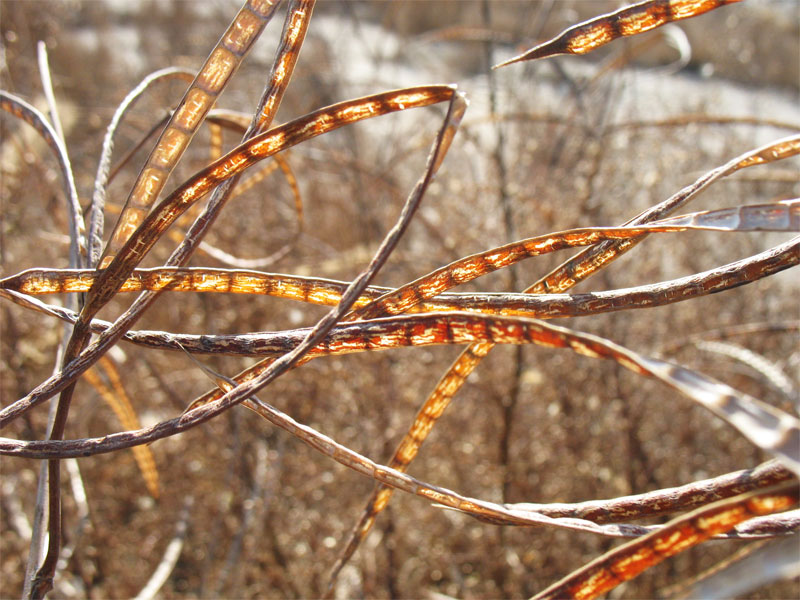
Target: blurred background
[{"x": 566, "y": 142}]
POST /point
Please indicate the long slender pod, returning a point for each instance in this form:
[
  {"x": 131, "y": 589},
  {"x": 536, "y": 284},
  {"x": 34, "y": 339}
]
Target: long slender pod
[
  {"x": 96, "y": 215},
  {"x": 326, "y": 292},
  {"x": 631, "y": 20},
  {"x": 218, "y": 69}
]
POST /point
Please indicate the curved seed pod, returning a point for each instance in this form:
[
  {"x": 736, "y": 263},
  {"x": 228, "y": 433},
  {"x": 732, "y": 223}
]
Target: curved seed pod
[
  {"x": 671, "y": 500},
  {"x": 627, "y": 561},
  {"x": 218, "y": 69},
  {"x": 776, "y": 216},
  {"x": 780, "y": 216},
  {"x": 255, "y": 149},
  {"x": 631, "y": 20}
]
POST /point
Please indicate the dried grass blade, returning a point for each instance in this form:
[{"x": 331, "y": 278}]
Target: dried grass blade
[
  {"x": 25, "y": 112},
  {"x": 627, "y": 561},
  {"x": 631, "y": 20},
  {"x": 116, "y": 397},
  {"x": 218, "y": 69}
]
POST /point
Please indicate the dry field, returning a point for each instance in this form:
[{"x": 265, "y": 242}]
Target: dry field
[{"x": 236, "y": 507}]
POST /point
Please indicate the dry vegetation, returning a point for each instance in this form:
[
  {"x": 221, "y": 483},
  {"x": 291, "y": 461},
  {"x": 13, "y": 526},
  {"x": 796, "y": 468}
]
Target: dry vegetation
[{"x": 545, "y": 146}]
